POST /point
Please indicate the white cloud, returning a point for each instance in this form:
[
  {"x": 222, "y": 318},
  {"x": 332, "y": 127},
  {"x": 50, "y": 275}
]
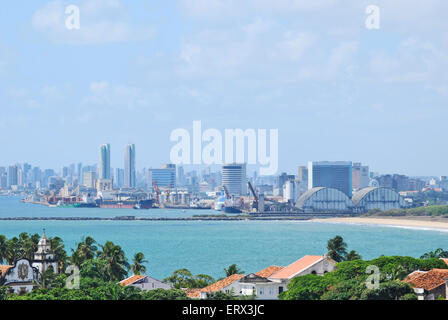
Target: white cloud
[{"x": 101, "y": 21}]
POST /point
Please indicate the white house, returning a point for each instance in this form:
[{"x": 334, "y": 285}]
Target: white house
[{"x": 145, "y": 283}]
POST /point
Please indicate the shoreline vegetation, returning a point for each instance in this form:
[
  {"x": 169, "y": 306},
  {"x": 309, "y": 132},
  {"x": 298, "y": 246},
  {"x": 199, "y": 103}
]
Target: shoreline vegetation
[{"x": 103, "y": 267}]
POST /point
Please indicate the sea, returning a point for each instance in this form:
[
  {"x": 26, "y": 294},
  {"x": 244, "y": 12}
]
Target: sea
[{"x": 207, "y": 247}]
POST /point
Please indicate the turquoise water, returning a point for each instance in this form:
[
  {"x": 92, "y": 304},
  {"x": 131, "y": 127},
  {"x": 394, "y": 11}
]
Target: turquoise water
[{"x": 210, "y": 246}]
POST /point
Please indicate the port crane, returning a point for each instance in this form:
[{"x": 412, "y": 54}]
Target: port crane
[
  {"x": 255, "y": 202},
  {"x": 157, "y": 192}
]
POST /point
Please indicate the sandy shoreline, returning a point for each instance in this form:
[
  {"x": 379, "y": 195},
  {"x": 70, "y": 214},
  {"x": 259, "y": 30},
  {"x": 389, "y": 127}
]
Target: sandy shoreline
[{"x": 415, "y": 222}]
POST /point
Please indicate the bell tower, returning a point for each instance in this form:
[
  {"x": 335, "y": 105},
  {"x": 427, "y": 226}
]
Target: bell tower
[{"x": 44, "y": 257}]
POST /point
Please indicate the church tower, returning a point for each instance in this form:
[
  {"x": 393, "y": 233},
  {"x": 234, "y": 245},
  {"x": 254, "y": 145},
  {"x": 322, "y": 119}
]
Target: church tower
[{"x": 44, "y": 257}]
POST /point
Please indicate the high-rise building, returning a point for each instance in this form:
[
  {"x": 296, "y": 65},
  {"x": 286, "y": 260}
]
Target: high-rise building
[
  {"x": 234, "y": 178},
  {"x": 165, "y": 177},
  {"x": 89, "y": 178},
  {"x": 104, "y": 165},
  {"x": 13, "y": 177},
  {"x": 129, "y": 166},
  {"x": 331, "y": 174},
  {"x": 119, "y": 178},
  {"x": 360, "y": 176},
  {"x": 303, "y": 174}
]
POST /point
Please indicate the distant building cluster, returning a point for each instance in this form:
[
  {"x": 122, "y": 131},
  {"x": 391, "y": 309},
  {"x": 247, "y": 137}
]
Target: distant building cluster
[{"x": 336, "y": 186}]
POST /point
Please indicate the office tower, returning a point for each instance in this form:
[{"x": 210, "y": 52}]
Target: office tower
[
  {"x": 360, "y": 176},
  {"x": 79, "y": 171},
  {"x": 180, "y": 176},
  {"x": 303, "y": 174},
  {"x": 26, "y": 172},
  {"x": 337, "y": 175},
  {"x": 13, "y": 178},
  {"x": 290, "y": 191},
  {"x": 36, "y": 176},
  {"x": 165, "y": 177},
  {"x": 65, "y": 172},
  {"x": 234, "y": 178},
  {"x": 129, "y": 166},
  {"x": 89, "y": 178},
  {"x": 104, "y": 170},
  {"x": 119, "y": 178}
]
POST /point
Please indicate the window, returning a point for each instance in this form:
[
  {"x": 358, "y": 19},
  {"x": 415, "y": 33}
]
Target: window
[
  {"x": 280, "y": 289},
  {"x": 313, "y": 272}
]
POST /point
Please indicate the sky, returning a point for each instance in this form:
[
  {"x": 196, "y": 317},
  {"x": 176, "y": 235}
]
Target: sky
[{"x": 137, "y": 70}]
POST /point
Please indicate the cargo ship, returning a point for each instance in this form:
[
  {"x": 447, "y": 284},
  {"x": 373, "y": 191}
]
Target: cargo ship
[{"x": 125, "y": 204}]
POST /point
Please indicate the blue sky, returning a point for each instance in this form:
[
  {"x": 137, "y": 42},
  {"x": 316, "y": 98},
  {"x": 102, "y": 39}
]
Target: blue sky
[{"x": 136, "y": 70}]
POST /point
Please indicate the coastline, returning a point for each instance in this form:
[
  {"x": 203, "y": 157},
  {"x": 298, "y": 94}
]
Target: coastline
[{"x": 420, "y": 222}]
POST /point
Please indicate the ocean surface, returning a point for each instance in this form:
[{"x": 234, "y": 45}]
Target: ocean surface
[{"x": 210, "y": 246}]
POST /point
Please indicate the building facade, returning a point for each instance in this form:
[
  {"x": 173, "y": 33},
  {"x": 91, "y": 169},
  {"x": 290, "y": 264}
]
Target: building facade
[
  {"x": 336, "y": 174},
  {"x": 129, "y": 166},
  {"x": 104, "y": 167},
  {"x": 234, "y": 178}
]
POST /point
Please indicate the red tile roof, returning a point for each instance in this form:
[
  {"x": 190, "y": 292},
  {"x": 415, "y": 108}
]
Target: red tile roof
[
  {"x": 193, "y": 293},
  {"x": 221, "y": 284},
  {"x": 427, "y": 280},
  {"x": 4, "y": 269},
  {"x": 131, "y": 280},
  {"x": 269, "y": 271},
  {"x": 296, "y": 267}
]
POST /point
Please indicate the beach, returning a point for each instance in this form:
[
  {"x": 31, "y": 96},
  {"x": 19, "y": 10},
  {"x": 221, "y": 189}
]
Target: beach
[{"x": 424, "y": 222}]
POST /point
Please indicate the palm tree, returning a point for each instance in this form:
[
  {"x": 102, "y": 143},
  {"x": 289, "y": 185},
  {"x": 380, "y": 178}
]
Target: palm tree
[
  {"x": 86, "y": 250},
  {"x": 57, "y": 246},
  {"x": 233, "y": 269},
  {"x": 352, "y": 255},
  {"x": 13, "y": 250},
  {"x": 439, "y": 253},
  {"x": 138, "y": 263},
  {"x": 337, "y": 249},
  {"x": 116, "y": 262},
  {"x": 3, "y": 248},
  {"x": 46, "y": 279}
]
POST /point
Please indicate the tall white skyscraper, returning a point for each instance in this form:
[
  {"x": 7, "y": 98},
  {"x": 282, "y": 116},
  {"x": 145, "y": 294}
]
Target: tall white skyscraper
[
  {"x": 234, "y": 178},
  {"x": 129, "y": 166},
  {"x": 104, "y": 169}
]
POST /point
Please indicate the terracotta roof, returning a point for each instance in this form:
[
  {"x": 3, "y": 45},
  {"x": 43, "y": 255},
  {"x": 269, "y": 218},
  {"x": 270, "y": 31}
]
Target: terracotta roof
[
  {"x": 221, "y": 284},
  {"x": 131, "y": 280},
  {"x": 4, "y": 269},
  {"x": 269, "y": 271},
  {"x": 428, "y": 280},
  {"x": 193, "y": 293},
  {"x": 294, "y": 268},
  {"x": 445, "y": 260}
]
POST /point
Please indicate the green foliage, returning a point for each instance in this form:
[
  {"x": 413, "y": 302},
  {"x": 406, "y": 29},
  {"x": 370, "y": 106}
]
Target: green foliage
[
  {"x": 161, "y": 294},
  {"x": 220, "y": 296},
  {"x": 352, "y": 255},
  {"x": 337, "y": 249},
  {"x": 183, "y": 278},
  {"x": 115, "y": 264},
  {"x": 438, "y": 253},
  {"x": 138, "y": 262},
  {"x": 308, "y": 287},
  {"x": 390, "y": 290},
  {"x": 348, "y": 281},
  {"x": 435, "y": 211},
  {"x": 3, "y": 294},
  {"x": 233, "y": 269}
]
